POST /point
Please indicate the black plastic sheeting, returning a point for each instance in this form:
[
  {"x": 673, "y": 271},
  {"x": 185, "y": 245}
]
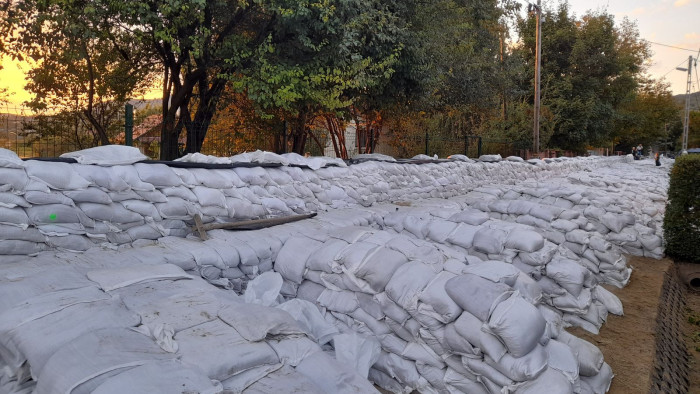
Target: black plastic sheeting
[{"x": 213, "y": 166}]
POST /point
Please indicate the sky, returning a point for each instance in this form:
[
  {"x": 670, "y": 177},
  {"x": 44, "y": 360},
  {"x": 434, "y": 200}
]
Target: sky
[{"x": 669, "y": 22}]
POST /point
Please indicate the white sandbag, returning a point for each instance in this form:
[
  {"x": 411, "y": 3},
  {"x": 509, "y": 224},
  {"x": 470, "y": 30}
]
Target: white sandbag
[
  {"x": 490, "y": 241},
  {"x": 469, "y": 327},
  {"x": 70, "y": 243},
  {"x": 356, "y": 351},
  {"x": 264, "y": 289},
  {"x": 162, "y": 376},
  {"x": 495, "y": 271},
  {"x": 310, "y": 320},
  {"x": 22, "y": 234},
  {"x": 9, "y": 159},
  {"x": 568, "y": 274},
  {"x": 209, "y": 197},
  {"x": 45, "y": 304},
  {"x": 59, "y": 176},
  {"x": 471, "y": 216},
  {"x": 158, "y": 175},
  {"x": 210, "y": 178},
  {"x": 613, "y": 221},
  {"x": 600, "y": 383},
  {"x": 54, "y": 214},
  {"x": 550, "y": 381},
  {"x": 255, "y": 322},
  {"x": 220, "y": 351},
  {"x": 284, "y": 379},
  {"x": 528, "y": 288},
  {"x": 115, "y": 213},
  {"x": 476, "y": 295},
  {"x": 436, "y": 297},
  {"x": 521, "y": 369},
  {"x": 439, "y": 230},
  {"x": 338, "y": 301},
  {"x": 391, "y": 309},
  {"x": 379, "y": 267},
  {"x": 490, "y": 158},
  {"x": 408, "y": 282},
  {"x": 589, "y": 357},
  {"x": 291, "y": 260},
  {"x": 562, "y": 359},
  {"x": 416, "y": 226},
  {"x": 91, "y": 194},
  {"x": 518, "y": 323},
  {"x": 483, "y": 370},
  {"x": 175, "y": 208},
  {"x": 90, "y": 360},
  {"x": 114, "y": 278},
  {"x": 39, "y": 339},
  {"x": 332, "y": 376},
  {"x": 463, "y": 235},
  {"x": 576, "y": 305},
  {"x": 323, "y": 258},
  {"x": 564, "y": 225},
  {"x": 108, "y": 155},
  {"x": 11, "y": 200},
  {"x": 292, "y": 350},
  {"x": 18, "y": 247},
  {"x": 611, "y": 301},
  {"x": 27, "y": 284}
]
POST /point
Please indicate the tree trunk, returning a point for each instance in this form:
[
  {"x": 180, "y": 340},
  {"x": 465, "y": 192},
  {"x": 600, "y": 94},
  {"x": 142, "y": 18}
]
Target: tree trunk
[{"x": 299, "y": 133}]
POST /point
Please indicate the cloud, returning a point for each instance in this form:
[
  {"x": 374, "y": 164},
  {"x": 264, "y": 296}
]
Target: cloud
[
  {"x": 640, "y": 11},
  {"x": 692, "y": 36},
  {"x": 681, "y": 3}
]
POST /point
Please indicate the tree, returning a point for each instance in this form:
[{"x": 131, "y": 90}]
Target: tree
[
  {"x": 84, "y": 66},
  {"x": 649, "y": 118},
  {"x": 590, "y": 69}
]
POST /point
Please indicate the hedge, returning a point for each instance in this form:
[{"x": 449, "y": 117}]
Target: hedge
[{"x": 682, "y": 220}]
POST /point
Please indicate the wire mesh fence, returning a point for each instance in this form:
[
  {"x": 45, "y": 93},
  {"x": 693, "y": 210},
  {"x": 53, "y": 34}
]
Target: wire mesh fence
[{"x": 52, "y": 132}]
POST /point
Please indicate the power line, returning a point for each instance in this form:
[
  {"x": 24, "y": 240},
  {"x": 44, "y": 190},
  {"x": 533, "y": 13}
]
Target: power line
[
  {"x": 671, "y": 46},
  {"x": 673, "y": 69}
]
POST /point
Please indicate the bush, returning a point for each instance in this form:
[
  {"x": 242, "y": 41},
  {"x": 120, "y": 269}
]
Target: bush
[{"x": 682, "y": 220}]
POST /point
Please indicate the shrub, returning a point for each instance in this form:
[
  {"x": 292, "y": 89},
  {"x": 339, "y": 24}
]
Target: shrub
[{"x": 682, "y": 220}]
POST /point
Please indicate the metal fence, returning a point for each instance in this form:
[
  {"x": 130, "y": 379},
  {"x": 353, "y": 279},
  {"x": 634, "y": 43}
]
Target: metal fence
[
  {"x": 49, "y": 133},
  {"x": 53, "y": 132}
]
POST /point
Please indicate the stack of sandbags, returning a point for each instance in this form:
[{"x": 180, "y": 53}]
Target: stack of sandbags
[
  {"x": 409, "y": 294},
  {"x": 566, "y": 281},
  {"x": 112, "y": 197},
  {"x": 103, "y": 324}
]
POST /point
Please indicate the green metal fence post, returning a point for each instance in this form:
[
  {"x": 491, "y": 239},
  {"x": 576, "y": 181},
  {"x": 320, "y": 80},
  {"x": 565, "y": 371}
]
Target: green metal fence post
[
  {"x": 466, "y": 145},
  {"x": 427, "y": 143},
  {"x": 479, "y": 148},
  {"x": 128, "y": 125}
]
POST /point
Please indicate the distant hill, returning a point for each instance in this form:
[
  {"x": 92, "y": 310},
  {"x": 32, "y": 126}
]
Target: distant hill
[{"x": 694, "y": 100}]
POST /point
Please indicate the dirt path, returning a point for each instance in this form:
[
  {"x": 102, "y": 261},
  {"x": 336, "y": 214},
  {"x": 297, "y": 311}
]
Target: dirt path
[{"x": 628, "y": 342}]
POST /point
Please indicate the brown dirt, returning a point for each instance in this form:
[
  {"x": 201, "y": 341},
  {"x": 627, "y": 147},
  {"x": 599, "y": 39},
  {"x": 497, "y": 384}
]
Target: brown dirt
[{"x": 628, "y": 342}]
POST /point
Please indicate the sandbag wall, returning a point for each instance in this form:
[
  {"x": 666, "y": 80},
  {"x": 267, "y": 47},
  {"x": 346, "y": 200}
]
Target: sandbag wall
[
  {"x": 115, "y": 321},
  {"x": 72, "y": 207}
]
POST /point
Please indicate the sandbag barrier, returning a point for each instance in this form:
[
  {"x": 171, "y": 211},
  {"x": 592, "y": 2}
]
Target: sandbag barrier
[
  {"x": 72, "y": 207},
  {"x": 116, "y": 321},
  {"x": 233, "y": 261}
]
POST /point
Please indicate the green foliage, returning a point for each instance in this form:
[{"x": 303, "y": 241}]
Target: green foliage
[
  {"x": 682, "y": 218},
  {"x": 591, "y": 68}
]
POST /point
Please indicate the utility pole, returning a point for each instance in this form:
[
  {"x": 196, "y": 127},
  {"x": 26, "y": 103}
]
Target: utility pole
[
  {"x": 686, "y": 118},
  {"x": 538, "y": 64}
]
